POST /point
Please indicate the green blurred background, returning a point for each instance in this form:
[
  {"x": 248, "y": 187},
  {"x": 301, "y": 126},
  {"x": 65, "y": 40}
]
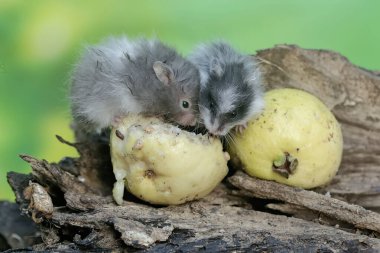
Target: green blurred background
[{"x": 41, "y": 40}]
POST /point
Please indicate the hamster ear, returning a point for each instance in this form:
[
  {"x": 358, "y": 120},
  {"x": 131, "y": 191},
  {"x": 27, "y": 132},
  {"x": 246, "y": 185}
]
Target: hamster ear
[
  {"x": 216, "y": 67},
  {"x": 163, "y": 72}
]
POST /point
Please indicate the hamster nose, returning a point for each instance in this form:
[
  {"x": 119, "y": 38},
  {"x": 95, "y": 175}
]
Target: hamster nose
[
  {"x": 222, "y": 131},
  {"x": 218, "y": 130}
]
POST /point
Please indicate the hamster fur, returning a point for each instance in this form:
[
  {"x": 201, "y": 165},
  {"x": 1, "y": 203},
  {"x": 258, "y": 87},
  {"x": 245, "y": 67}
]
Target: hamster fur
[
  {"x": 231, "y": 90},
  {"x": 121, "y": 76}
]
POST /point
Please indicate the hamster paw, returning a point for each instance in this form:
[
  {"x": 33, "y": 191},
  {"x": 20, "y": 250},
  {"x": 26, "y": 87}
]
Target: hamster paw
[{"x": 240, "y": 128}]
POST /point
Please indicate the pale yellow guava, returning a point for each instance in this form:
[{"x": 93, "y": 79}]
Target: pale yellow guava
[
  {"x": 162, "y": 164},
  {"x": 295, "y": 141}
]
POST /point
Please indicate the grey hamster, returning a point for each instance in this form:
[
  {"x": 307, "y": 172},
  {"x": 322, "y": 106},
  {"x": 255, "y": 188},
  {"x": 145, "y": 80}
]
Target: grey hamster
[
  {"x": 231, "y": 90},
  {"x": 121, "y": 76}
]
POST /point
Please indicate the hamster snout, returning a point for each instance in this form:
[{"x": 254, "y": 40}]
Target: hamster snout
[{"x": 222, "y": 109}]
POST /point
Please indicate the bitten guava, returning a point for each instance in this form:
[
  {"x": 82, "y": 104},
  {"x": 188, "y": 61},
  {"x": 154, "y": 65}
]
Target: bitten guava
[{"x": 162, "y": 164}]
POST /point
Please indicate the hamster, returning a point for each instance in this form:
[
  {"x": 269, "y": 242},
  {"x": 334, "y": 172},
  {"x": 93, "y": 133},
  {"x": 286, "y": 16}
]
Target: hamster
[
  {"x": 121, "y": 76},
  {"x": 231, "y": 91}
]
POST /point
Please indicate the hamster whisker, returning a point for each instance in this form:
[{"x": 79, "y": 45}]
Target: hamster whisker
[
  {"x": 226, "y": 139},
  {"x": 201, "y": 121},
  {"x": 231, "y": 137}
]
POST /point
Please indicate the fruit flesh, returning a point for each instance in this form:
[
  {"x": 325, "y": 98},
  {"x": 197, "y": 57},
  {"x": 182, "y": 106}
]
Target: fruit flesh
[{"x": 297, "y": 124}]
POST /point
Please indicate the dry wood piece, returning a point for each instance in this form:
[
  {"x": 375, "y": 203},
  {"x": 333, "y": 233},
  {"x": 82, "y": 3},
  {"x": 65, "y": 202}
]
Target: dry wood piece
[
  {"x": 335, "y": 208},
  {"x": 77, "y": 194},
  {"x": 311, "y": 215}
]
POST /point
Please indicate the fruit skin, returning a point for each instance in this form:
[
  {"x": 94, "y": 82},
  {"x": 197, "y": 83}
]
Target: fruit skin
[
  {"x": 161, "y": 164},
  {"x": 297, "y": 123}
]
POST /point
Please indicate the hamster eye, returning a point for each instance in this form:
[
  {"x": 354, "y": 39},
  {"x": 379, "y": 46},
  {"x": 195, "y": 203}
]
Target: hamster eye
[
  {"x": 232, "y": 114},
  {"x": 185, "y": 104}
]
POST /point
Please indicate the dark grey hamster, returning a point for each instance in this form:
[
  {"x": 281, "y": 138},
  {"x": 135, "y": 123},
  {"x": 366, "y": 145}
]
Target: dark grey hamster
[
  {"x": 231, "y": 90},
  {"x": 121, "y": 76}
]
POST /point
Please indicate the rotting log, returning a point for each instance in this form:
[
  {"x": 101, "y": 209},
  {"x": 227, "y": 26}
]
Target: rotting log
[{"x": 84, "y": 216}]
